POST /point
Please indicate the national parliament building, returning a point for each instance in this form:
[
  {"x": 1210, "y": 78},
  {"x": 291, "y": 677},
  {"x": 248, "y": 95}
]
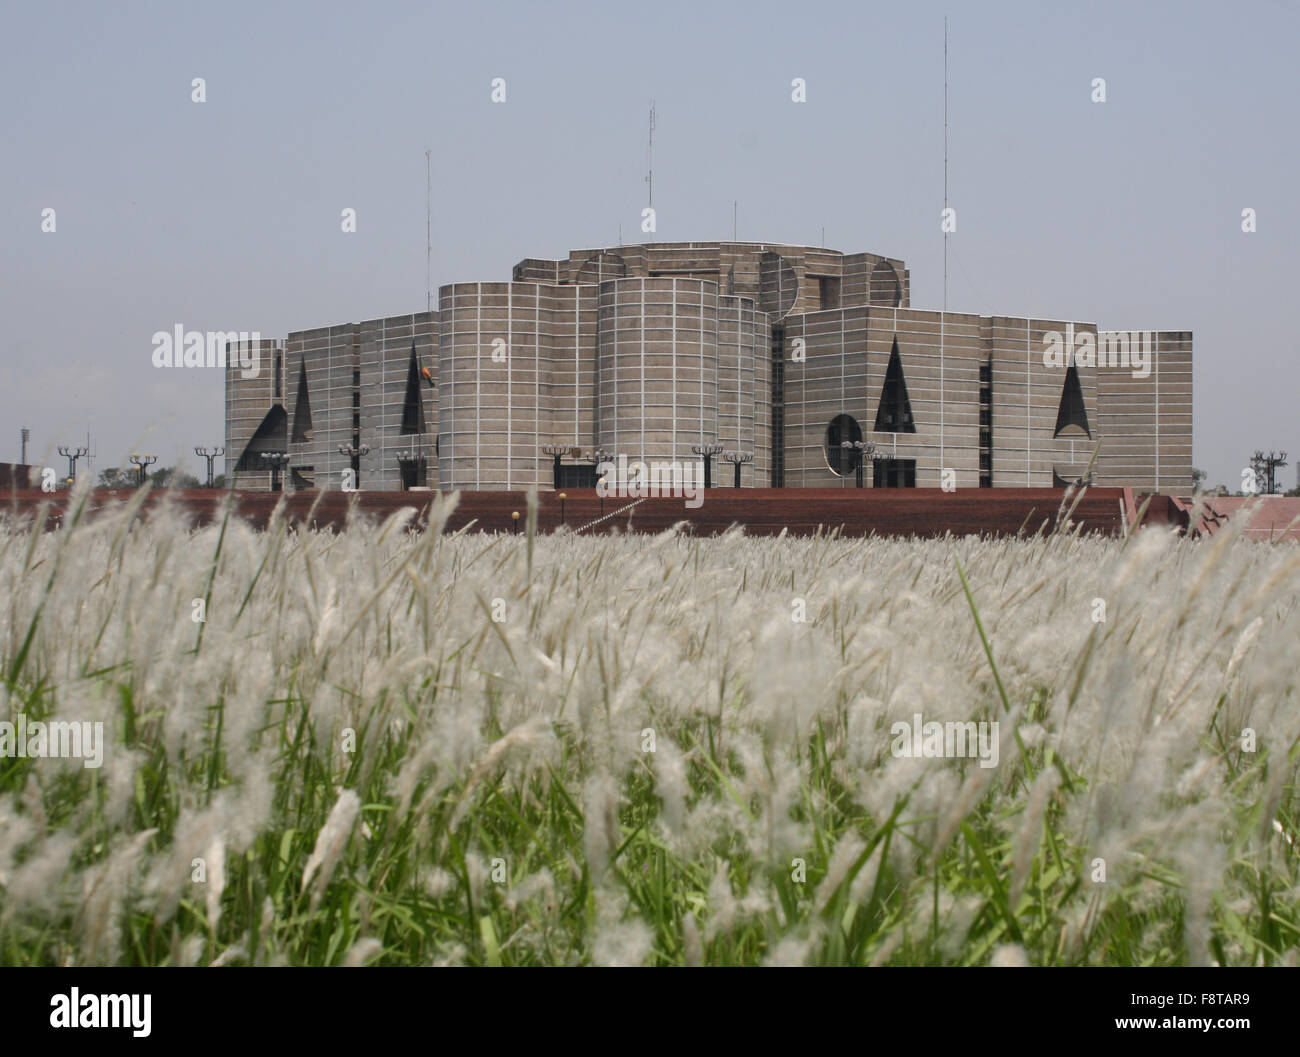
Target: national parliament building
[{"x": 783, "y": 353}]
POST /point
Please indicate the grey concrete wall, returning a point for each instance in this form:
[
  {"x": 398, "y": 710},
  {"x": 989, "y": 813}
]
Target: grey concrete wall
[
  {"x": 848, "y": 352},
  {"x": 385, "y": 358},
  {"x": 247, "y": 402},
  {"x": 658, "y": 363},
  {"x": 1026, "y": 399},
  {"x": 1147, "y": 422},
  {"x": 499, "y": 403},
  {"x": 331, "y": 355},
  {"x": 735, "y": 266},
  {"x": 744, "y": 389},
  {"x": 941, "y": 354}
]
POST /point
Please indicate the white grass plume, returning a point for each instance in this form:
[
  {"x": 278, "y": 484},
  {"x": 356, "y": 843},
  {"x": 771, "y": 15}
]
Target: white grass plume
[{"x": 331, "y": 842}]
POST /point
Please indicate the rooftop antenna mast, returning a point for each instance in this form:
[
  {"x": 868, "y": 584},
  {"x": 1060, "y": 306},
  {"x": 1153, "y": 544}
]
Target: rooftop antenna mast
[
  {"x": 943, "y": 318},
  {"x": 428, "y": 231},
  {"x": 650, "y": 157}
]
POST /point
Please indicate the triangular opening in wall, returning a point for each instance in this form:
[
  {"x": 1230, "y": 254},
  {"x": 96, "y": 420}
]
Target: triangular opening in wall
[
  {"x": 895, "y": 412},
  {"x": 269, "y": 436},
  {"x": 1072, "y": 411},
  {"x": 302, "y": 429},
  {"x": 412, "y": 405}
]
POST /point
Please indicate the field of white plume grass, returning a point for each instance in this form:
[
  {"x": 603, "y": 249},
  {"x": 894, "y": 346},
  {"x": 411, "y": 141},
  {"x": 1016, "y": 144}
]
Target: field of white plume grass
[{"x": 383, "y": 746}]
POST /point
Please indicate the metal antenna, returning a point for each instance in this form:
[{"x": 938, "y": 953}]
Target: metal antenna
[
  {"x": 943, "y": 318},
  {"x": 650, "y": 157},
  {"x": 428, "y": 231},
  {"x": 945, "y": 160}
]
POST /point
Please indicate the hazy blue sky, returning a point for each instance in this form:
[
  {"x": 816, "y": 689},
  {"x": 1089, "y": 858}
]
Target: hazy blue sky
[{"x": 226, "y": 214}]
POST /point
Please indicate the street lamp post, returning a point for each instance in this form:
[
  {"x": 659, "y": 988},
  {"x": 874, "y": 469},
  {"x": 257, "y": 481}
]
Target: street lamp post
[
  {"x": 862, "y": 452},
  {"x": 142, "y": 461},
  {"x": 72, "y": 455},
  {"x": 599, "y": 457},
  {"x": 406, "y": 459},
  {"x": 556, "y": 452},
  {"x": 562, "y": 499},
  {"x": 737, "y": 460},
  {"x": 1265, "y": 468},
  {"x": 708, "y": 451},
  {"x": 277, "y": 461},
  {"x": 355, "y": 453},
  {"x": 210, "y": 455}
]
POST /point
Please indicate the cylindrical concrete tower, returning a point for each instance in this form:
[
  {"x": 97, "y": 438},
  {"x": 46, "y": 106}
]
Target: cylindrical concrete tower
[
  {"x": 516, "y": 369},
  {"x": 490, "y": 363},
  {"x": 744, "y": 388},
  {"x": 657, "y": 363}
]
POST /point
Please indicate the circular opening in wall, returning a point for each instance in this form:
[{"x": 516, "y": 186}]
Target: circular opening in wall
[
  {"x": 778, "y": 285},
  {"x": 842, "y": 428},
  {"x": 601, "y": 266},
  {"x": 885, "y": 289}
]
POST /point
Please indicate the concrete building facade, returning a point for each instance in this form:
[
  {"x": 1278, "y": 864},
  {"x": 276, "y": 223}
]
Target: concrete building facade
[{"x": 780, "y": 352}]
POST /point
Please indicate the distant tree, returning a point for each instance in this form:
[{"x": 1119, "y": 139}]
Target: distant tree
[
  {"x": 173, "y": 477},
  {"x": 115, "y": 477},
  {"x": 167, "y": 477},
  {"x": 1198, "y": 479},
  {"x": 220, "y": 481}
]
